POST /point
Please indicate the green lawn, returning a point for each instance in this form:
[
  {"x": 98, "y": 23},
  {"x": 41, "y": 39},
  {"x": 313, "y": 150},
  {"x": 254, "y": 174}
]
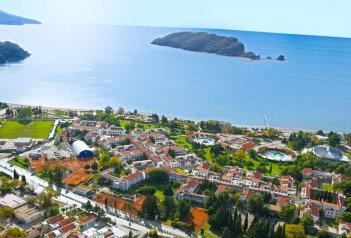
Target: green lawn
[
  {"x": 159, "y": 185},
  {"x": 208, "y": 233},
  {"x": 182, "y": 141},
  {"x": 33, "y": 129},
  {"x": 20, "y": 162}
]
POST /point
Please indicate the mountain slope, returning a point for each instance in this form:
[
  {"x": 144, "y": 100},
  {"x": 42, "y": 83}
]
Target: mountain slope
[{"x": 9, "y": 19}]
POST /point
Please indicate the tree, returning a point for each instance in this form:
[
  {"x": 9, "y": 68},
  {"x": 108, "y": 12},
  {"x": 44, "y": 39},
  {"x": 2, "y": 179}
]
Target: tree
[
  {"x": 108, "y": 110},
  {"x": 267, "y": 197},
  {"x": 24, "y": 180},
  {"x": 130, "y": 235},
  {"x": 24, "y": 113},
  {"x": 115, "y": 163},
  {"x": 153, "y": 234},
  {"x": 294, "y": 231},
  {"x": 256, "y": 204},
  {"x": 6, "y": 212},
  {"x": 183, "y": 209},
  {"x": 307, "y": 221},
  {"x": 95, "y": 166},
  {"x": 158, "y": 175},
  {"x": 120, "y": 111},
  {"x": 270, "y": 168},
  {"x": 168, "y": 191},
  {"x": 149, "y": 209},
  {"x": 324, "y": 234},
  {"x": 13, "y": 232},
  {"x": 240, "y": 154},
  {"x": 287, "y": 213},
  {"x": 246, "y": 222},
  {"x": 251, "y": 153},
  {"x": 147, "y": 190},
  {"x": 345, "y": 216},
  {"x": 334, "y": 139},
  {"x": 168, "y": 208},
  {"x": 15, "y": 174}
]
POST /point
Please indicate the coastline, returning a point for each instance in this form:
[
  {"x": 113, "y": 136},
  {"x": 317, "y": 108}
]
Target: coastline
[{"x": 85, "y": 110}]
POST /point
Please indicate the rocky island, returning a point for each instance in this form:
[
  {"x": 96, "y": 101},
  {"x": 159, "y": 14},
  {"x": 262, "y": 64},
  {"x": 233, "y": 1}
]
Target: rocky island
[
  {"x": 209, "y": 43},
  {"x": 10, "y": 52},
  {"x": 10, "y": 19}
]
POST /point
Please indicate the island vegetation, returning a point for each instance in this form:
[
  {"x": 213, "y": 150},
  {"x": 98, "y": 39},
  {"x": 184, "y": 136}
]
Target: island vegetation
[
  {"x": 10, "y": 52},
  {"x": 209, "y": 43}
]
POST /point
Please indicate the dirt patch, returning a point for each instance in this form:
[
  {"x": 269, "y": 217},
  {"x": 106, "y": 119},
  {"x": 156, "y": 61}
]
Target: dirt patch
[
  {"x": 198, "y": 216},
  {"x": 122, "y": 205}
]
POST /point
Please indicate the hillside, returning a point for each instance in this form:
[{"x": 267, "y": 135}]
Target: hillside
[
  {"x": 9, "y": 19},
  {"x": 206, "y": 42},
  {"x": 10, "y": 52}
]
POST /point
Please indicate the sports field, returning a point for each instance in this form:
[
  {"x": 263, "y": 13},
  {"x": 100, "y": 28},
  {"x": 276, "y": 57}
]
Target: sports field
[{"x": 33, "y": 129}]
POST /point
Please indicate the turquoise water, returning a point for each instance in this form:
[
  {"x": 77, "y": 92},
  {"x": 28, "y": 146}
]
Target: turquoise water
[
  {"x": 277, "y": 155},
  {"x": 96, "y": 66}
]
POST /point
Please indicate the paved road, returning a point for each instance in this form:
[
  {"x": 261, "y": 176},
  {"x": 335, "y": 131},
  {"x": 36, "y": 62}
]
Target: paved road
[{"x": 70, "y": 198}]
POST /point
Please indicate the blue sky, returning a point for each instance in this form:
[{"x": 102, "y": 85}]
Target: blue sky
[{"x": 311, "y": 17}]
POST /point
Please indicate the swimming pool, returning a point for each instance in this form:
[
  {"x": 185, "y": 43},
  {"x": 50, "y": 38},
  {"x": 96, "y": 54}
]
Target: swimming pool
[
  {"x": 277, "y": 156},
  {"x": 204, "y": 140}
]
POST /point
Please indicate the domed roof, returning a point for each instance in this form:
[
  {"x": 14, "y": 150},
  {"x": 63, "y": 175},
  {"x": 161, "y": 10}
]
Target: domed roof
[{"x": 327, "y": 152}]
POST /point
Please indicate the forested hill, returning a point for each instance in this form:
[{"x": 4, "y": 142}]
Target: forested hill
[
  {"x": 10, "y": 52},
  {"x": 209, "y": 43},
  {"x": 9, "y": 19}
]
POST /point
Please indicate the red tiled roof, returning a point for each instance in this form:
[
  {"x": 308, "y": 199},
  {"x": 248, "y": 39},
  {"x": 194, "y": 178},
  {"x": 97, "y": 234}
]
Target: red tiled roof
[
  {"x": 55, "y": 219},
  {"x": 131, "y": 177},
  {"x": 67, "y": 221},
  {"x": 206, "y": 165},
  {"x": 307, "y": 171},
  {"x": 192, "y": 183},
  {"x": 67, "y": 228},
  {"x": 86, "y": 219},
  {"x": 248, "y": 145},
  {"x": 51, "y": 234},
  {"x": 221, "y": 189},
  {"x": 282, "y": 201}
]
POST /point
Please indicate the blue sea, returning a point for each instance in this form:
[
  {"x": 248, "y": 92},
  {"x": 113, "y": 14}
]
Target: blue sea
[{"x": 92, "y": 66}]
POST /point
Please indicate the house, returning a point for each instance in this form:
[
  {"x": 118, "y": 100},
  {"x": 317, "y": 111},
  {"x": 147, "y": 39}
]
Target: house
[
  {"x": 190, "y": 186},
  {"x": 126, "y": 182},
  {"x": 116, "y": 131},
  {"x": 28, "y": 213},
  {"x": 307, "y": 173},
  {"x": 331, "y": 210},
  {"x": 67, "y": 228},
  {"x": 344, "y": 227},
  {"x": 82, "y": 191},
  {"x": 221, "y": 189},
  {"x": 87, "y": 222}
]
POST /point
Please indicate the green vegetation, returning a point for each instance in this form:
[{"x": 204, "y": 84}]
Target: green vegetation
[
  {"x": 27, "y": 128},
  {"x": 20, "y": 162}
]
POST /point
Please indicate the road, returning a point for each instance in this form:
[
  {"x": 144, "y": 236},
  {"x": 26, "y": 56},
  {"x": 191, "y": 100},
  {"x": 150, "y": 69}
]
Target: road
[{"x": 70, "y": 198}]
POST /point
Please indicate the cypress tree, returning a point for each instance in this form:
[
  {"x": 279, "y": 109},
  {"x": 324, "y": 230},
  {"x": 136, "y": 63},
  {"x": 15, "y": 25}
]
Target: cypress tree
[
  {"x": 24, "y": 180},
  {"x": 246, "y": 222},
  {"x": 15, "y": 174}
]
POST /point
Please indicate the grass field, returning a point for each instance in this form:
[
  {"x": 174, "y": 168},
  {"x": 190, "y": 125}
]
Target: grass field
[{"x": 33, "y": 129}]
